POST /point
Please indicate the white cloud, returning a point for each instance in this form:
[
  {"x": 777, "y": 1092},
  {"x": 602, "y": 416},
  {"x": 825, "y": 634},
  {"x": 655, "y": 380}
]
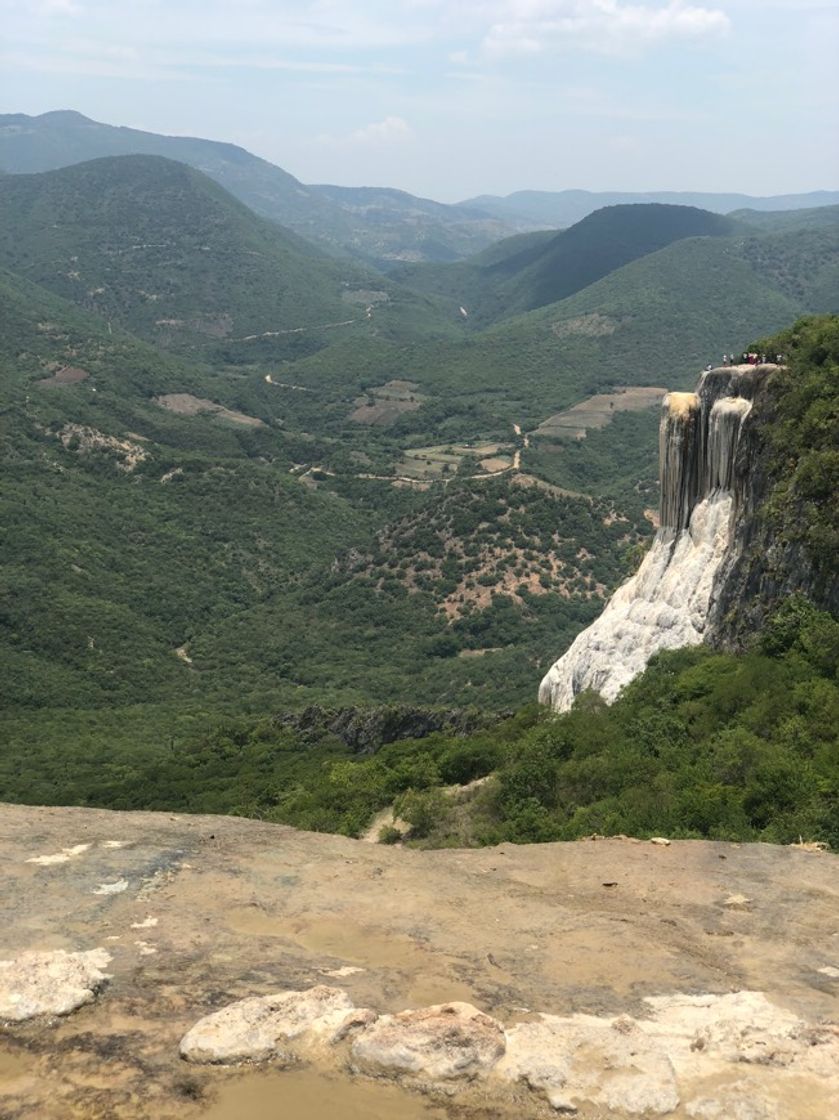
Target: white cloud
[
  {"x": 378, "y": 134},
  {"x": 381, "y": 132},
  {"x": 534, "y": 26}
]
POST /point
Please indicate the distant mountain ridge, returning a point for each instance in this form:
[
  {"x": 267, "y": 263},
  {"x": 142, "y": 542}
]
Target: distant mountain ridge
[
  {"x": 331, "y": 216},
  {"x": 564, "y": 208}
]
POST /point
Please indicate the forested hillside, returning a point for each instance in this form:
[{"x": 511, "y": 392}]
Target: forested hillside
[
  {"x": 241, "y": 477},
  {"x": 163, "y": 251},
  {"x": 375, "y": 225}
]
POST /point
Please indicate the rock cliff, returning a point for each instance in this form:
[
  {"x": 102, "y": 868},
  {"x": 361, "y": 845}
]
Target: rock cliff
[{"x": 676, "y": 593}]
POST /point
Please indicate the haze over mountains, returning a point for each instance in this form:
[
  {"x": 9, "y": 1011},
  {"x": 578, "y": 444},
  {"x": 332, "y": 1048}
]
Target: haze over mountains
[
  {"x": 563, "y": 208},
  {"x": 376, "y": 223}
]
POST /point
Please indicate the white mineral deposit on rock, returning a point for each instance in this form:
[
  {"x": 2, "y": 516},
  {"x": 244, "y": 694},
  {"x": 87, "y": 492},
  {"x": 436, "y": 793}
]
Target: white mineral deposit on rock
[
  {"x": 581, "y": 1058},
  {"x": 666, "y": 604},
  {"x": 256, "y": 1029},
  {"x": 50, "y": 983},
  {"x": 719, "y": 1056},
  {"x": 63, "y": 856},
  {"x": 116, "y": 887},
  {"x": 439, "y": 1043}
]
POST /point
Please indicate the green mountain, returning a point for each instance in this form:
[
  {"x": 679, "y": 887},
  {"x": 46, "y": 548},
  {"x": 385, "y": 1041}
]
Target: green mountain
[
  {"x": 165, "y": 252},
  {"x": 365, "y": 509},
  {"x": 243, "y": 477},
  {"x": 388, "y": 226},
  {"x": 530, "y": 271},
  {"x": 661, "y": 316},
  {"x": 776, "y": 221},
  {"x": 375, "y": 225},
  {"x": 563, "y": 208}
]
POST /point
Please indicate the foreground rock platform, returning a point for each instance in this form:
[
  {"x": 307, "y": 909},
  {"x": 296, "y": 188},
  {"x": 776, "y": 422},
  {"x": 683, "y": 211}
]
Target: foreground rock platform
[{"x": 595, "y": 957}]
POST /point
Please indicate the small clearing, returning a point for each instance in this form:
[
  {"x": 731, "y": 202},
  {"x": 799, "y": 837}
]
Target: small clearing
[
  {"x": 444, "y": 460},
  {"x": 598, "y": 411},
  {"x": 365, "y": 296},
  {"x": 66, "y": 375},
  {"x": 212, "y": 326},
  {"x": 594, "y": 325},
  {"x": 384, "y": 404},
  {"x": 185, "y": 404}
]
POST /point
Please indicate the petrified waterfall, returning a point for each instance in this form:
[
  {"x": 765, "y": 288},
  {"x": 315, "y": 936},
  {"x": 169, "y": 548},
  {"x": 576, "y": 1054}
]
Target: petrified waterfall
[{"x": 666, "y": 603}]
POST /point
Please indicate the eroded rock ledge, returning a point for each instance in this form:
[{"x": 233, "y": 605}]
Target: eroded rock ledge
[
  {"x": 607, "y": 976},
  {"x": 722, "y": 1056}
]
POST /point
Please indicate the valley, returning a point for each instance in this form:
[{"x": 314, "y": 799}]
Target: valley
[
  {"x": 243, "y": 499},
  {"x": 305, "y": 489}
]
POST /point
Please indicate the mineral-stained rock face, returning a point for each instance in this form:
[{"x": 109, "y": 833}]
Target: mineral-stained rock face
[
  {"x": 255, "y": 1029},
  {"x": 667, "y": 603},
  {"x": 50, "y": 983},
  {"x": 440, "y": 1043}
]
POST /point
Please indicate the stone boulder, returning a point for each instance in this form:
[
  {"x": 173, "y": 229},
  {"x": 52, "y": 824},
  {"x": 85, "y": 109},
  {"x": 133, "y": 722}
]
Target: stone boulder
[
  {"x": 610, "y": 1063},
  {"x": 439, "y": 1043},
  {"x": 256, "y": 1029},
  {"x": 50, "y": 983}
]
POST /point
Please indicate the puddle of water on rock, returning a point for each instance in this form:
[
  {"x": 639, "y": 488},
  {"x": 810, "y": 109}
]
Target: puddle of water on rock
[
  {"x": 310, "y": 1095},
  {"x": 427, "y": 976}
]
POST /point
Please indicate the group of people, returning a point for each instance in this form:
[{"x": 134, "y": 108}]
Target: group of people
[{"x": 751, "y": 359}]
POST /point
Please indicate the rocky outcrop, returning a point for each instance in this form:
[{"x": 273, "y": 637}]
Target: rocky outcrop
[
  {"x": 762, "y": 566},
  {"x": 364, "y": 730},
  {"x": 581, "y": 1058},
  {"x": 258, "y": 1028},
  {"x": 672, "y": 597},
  {"x": 441, "y": 1043},
  {"x": 717, "y": 1056},
  {"x": 50, "y": 983},
  {"x": 579, "y": 963}
]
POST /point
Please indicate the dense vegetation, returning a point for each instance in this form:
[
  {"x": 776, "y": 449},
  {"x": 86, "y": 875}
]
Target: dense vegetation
[
  {"x": 199, "y": 534},
  {"x": 803, "y": 444},
  {"x": 162, "y": 250},
  {"x": 539, "y": 272},
  {"x": 703, "y": 744}
]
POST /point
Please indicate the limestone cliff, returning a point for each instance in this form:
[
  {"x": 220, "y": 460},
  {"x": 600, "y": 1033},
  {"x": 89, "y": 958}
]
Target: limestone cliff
[{"x": 683, "y": 592}]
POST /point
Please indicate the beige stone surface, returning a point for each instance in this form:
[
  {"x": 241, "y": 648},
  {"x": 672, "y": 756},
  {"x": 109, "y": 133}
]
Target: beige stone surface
[{"x": 236, "y": 909}]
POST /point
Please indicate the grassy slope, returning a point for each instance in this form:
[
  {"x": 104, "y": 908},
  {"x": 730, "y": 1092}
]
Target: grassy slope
[
  {"x": 231, "y": 555},
  {"x": 133, "y": 565},
  {"x": 659, "y": 318},
  {"x": 143, "y": 241}
]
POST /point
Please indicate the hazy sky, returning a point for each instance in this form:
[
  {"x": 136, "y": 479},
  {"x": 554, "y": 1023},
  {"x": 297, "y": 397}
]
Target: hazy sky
[{"x": 452, "y": 99}]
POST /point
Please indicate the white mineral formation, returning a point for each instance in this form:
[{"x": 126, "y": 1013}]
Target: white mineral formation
[
  {"x": 582, "y": 1058},
  {"x": 440, "y": 1043},
  {"x": 256, "y": 1029},
  {"x": 665, "y": 604},
  {"x": 50, "y": 983},
  {"x": 721, "y": 1057}
]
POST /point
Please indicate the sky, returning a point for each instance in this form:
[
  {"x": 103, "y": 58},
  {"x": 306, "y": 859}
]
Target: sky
[{"x": 453, "y": 99}]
